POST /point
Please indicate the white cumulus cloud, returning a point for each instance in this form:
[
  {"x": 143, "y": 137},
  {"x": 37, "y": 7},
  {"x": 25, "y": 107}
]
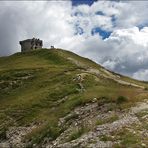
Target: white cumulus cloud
[{"x": 141, "y": 75}]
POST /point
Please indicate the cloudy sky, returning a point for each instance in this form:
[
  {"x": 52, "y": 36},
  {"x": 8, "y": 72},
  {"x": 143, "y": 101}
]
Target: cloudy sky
[{"x": 112, "y": 33}]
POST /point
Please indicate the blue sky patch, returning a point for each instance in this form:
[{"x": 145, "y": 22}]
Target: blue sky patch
[
  {"x": 78, "y": 14},
  {"x": 103, "y": 33},
  {"x": 79, "y": 30},
  {"x": 142, "y": 26},
  {"x": 99, "y": 13},
  {"x": 113, "y": 19},
  {"x": 80, "y": 2}
]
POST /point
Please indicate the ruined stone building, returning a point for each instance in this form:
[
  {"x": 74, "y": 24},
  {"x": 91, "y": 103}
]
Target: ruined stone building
[{"x": 31, "y": 44}]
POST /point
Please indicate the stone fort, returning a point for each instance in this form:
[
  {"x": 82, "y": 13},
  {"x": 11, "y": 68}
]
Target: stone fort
[{"x": 31, "y": 44}]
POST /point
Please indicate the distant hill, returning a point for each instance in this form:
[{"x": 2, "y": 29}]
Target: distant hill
[{"x": 55, "y": 98}]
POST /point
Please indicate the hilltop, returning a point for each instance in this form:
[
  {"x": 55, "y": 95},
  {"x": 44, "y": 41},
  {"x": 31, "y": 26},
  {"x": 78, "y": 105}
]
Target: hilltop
[{"x": 55, "y": 98}]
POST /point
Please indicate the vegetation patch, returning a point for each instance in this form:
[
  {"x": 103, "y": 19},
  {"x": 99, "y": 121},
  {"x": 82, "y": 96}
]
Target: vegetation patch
[
  {"x": 103, "y": 100},
  {"x": 3, "y": 133},
  {"x": 39, "y": 133},
  {"x": 121, "y": 99},
  {"x": 107, "y": 120},
  {"x": 71, "y": 117},
  {"x": 129, "y": 139},
  {"x": 78, "y": 132},
  {"x": 33, "y": 86},
  {"x": 105, "y": 138}
]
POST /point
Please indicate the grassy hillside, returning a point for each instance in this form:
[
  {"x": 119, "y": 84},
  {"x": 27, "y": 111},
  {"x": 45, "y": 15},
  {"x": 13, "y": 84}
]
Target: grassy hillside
[{"x": 40, "y": 87}]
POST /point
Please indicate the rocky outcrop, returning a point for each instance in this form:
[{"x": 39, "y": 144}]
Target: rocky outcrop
[
  {"x": 91, "y": 139},
  {"x": 14, "y": 137}
]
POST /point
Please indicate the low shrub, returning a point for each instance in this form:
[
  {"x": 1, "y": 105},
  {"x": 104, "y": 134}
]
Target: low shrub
[{"x": 121, "y": 99}]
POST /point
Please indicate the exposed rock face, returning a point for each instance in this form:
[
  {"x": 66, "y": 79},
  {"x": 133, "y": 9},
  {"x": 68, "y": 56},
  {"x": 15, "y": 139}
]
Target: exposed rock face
[
  {"x": 14, "y": 137},
  {"x": 92, "y": 139}
]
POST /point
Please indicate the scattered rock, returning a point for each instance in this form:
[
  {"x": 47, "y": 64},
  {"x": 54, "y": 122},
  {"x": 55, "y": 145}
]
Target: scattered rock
[
  {"x": 91, "y": 139},
  {"x": 15, "y": 135}
]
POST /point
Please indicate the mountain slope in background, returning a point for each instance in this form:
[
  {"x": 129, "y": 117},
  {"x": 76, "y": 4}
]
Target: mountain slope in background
[{"x": 55, "y": 98}]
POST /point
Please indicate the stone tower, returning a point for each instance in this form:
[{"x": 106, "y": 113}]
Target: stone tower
[{"x": 31, "y": 44}]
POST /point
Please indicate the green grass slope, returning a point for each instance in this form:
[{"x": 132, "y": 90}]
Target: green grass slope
[{"x": 40, "y": 87}]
